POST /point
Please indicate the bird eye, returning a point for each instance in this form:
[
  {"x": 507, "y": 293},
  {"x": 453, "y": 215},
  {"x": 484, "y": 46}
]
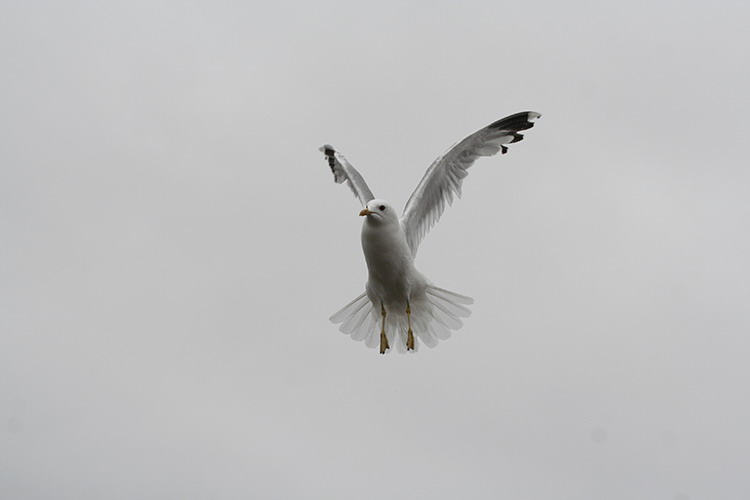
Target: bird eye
[{"x": 381, "y": 207}]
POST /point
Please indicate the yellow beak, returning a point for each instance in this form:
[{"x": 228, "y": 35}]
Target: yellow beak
[{"x": 365, "y": 212}]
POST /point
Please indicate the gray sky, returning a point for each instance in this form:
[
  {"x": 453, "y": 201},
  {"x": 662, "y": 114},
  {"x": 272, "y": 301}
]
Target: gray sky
[{"x": 173, "y": 244}]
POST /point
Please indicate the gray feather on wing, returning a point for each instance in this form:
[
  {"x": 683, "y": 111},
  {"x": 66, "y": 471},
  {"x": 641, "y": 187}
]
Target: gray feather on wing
[
  {"x": 444, "y": 177},
  {"x": 343, "y": 171}
]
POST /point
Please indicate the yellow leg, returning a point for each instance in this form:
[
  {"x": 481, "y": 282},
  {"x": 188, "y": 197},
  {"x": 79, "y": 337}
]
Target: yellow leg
[
  {"x": 410, "y": 334},
  {"x": 383, "y": 339}
]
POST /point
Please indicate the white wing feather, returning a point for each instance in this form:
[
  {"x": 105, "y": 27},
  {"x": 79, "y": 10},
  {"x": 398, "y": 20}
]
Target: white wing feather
[
  {"x": 445, "y": 175},
  {"x": 343, "y": 171}
]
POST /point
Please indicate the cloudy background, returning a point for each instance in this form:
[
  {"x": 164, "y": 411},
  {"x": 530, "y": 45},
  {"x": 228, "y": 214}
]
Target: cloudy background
[{"x": 172, "y": 244}]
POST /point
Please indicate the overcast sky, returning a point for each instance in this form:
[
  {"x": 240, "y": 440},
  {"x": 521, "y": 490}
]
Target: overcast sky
[{"x": 172, "y": 244}]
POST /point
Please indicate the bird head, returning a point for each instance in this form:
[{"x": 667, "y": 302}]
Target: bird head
[{"x": 379, "y": 211}]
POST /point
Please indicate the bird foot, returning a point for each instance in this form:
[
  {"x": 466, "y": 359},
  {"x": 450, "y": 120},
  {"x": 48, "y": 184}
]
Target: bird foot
[
  {"x": 383, "y": 343},
  {"x": 410, "y": 340}
]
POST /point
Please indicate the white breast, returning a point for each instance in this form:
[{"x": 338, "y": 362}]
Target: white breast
[{"x": 389, "y": 261}]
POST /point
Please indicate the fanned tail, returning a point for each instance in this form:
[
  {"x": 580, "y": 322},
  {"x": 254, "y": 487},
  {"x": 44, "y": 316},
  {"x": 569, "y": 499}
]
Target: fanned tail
[
  {"x": 445, "y": 311},
  {"x": 357, "y": 319},
  {"x": 434, "y": 315}
]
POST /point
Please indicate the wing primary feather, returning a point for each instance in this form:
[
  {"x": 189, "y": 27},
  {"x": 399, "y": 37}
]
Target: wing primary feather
[
  {"x": 343, "y": 171},
  {"x": 445, "y": 176}
]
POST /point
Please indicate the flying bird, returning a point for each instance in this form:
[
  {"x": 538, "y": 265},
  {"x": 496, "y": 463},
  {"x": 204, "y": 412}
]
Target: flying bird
[{"x": 400, "y": 306}]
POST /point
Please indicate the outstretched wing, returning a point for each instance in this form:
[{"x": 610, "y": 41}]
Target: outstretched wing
[
  {"x": 344, "y": 171},
  {"x": 445, "y": 175}
]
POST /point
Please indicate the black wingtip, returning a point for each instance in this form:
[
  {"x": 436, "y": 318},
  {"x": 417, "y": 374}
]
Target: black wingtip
[
  {"x": 329, "y": 153},
  {"x": 327, "y": 149},
  {"x": 517, "y": 122}
]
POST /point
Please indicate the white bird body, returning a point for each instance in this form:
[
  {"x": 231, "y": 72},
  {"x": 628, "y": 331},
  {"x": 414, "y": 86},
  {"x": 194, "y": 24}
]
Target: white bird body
[
  {"x": 393, "y": 280},
  {"x": 391, "y": 267},
  {"x": 398, "y": 299}
]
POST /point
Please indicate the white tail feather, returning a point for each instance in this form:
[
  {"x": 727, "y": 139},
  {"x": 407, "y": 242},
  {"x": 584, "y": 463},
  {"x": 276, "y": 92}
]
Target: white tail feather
[
  {"x": 348, "y": 310},
  {"x": 434, "y": 315},
  {"x": 448, "y": 295}
]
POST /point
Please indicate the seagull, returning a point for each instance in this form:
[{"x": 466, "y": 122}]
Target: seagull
[{"x": 399, "y": 302}]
